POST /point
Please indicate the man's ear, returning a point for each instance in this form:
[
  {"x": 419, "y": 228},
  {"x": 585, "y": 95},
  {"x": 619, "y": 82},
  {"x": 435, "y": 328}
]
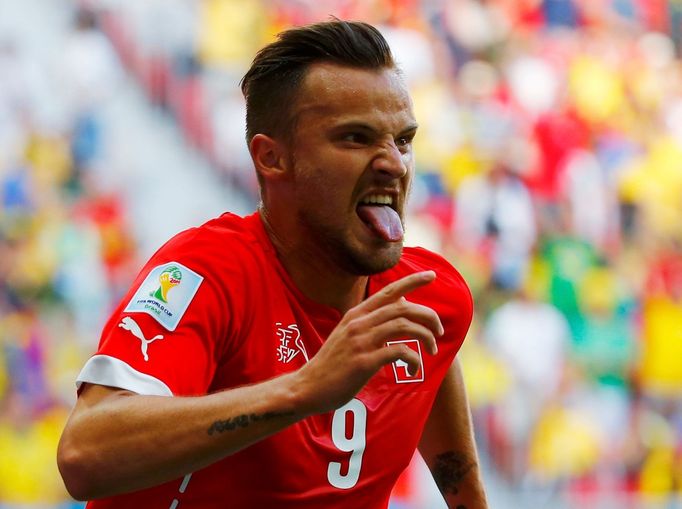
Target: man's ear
[{"x": 268, "y": 157}]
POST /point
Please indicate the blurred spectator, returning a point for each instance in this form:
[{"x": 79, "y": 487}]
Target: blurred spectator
[
  {"x": 494, "y": 217},
  {"x": 88, "y": 73},
  {"x": 531, "y": 338},
  {"x": 660, "y": 369},
  {"x": 591, "y": 202},
  {"x": 604, "y": 346}
]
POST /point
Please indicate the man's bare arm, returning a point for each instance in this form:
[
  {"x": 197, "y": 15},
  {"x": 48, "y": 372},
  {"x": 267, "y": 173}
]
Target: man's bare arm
[
  {"x": 116, "y": 441},
  {"x": 447, "y": 445}
]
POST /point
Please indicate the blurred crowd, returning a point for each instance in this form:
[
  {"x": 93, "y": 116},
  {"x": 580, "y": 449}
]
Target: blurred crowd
[
  {"x": 64, "y": 246},
  {"x": 549, "y": 163}
]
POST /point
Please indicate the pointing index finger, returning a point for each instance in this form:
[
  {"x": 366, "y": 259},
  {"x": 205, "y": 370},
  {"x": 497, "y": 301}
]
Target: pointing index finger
[{"x": 397, "y": 289}]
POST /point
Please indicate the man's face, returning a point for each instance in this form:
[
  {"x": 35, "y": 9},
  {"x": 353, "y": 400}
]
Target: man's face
[{"x": 352, "y": 160}]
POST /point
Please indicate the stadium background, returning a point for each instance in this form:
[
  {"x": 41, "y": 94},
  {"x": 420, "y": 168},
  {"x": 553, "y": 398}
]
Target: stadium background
[{"x": 549, "y": 166}]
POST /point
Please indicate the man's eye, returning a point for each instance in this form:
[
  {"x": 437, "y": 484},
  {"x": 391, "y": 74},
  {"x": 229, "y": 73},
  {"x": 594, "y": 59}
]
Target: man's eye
[
  {"x": 358, "y": 138},
  {"x": 403, "y": 141}
]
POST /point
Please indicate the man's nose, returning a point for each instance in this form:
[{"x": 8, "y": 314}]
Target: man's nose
[{"x": 390, "y": 161}]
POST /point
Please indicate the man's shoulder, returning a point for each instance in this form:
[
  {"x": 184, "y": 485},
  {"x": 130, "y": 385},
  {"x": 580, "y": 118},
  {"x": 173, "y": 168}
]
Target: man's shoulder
[
  {"x": 226, "y": 248},
  {"x": 226, "y": 228},
  {"x": 225, "y": 238},
  {"x": 448, "y": 294},
  {"x": 415, "y": 259},
  {"x": 448, "y": 288},
  {"x": 212, "y": 263}
]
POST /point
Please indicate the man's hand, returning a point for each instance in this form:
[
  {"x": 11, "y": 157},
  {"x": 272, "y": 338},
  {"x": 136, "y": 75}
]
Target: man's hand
[{"x": 356, "y": 349}]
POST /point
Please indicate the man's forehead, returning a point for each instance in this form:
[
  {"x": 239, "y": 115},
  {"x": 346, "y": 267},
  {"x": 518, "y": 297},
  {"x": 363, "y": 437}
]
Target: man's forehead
[{"x": 333, "y": 90}]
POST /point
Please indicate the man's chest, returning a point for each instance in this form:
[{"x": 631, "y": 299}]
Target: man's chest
[
  {"x": 283, "y": 335},
  {"x": 349, "y": 457}
]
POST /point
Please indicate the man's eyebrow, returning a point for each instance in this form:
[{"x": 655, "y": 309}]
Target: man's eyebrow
[
  {"x": 354, "y": 126},
  {"x": 410, "y": 129},
  {"x": 363, "y": 126}
]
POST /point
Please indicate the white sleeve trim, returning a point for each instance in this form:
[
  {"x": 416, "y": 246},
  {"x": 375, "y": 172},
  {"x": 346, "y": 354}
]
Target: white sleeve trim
[{"x": 113, "y": 372}]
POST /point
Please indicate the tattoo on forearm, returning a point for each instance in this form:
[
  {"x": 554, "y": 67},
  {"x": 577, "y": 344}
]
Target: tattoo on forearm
[
  {"x": 449, "y": 469},
  {"x": 243, "y": 421}
]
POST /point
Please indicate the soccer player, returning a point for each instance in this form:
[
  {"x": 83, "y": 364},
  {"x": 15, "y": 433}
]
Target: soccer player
[{"x": 297, "y": 357}]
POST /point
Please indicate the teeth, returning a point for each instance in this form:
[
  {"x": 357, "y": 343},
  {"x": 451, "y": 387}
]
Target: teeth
[{"x": 378, "y": 199}]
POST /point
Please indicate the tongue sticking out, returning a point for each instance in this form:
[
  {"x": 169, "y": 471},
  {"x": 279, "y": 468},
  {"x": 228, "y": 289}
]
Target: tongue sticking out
[{"x": 384, "y": 221}]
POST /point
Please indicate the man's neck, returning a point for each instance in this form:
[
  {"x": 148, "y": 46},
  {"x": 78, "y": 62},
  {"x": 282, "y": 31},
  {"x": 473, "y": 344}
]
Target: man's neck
[{"x": 314, "y": 274}]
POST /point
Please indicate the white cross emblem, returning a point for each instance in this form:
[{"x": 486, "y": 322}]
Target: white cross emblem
[{"x": 400, "y": 371}]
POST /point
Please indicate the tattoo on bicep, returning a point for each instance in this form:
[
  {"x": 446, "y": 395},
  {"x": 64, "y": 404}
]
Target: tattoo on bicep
[
  {"x": 243, "y": 421},
  {"x": 449, "y": 469}
]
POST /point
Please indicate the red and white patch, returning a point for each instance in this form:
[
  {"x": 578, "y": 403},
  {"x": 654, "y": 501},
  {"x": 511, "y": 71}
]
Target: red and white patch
[{"x": 402, "y": 375}]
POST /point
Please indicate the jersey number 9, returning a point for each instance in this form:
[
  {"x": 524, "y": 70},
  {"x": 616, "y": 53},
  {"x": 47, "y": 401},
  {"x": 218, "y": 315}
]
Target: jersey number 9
[{"x": 355, "y": 444}]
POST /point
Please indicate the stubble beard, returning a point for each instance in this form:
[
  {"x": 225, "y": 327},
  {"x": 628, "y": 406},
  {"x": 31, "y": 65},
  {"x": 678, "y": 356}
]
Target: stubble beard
[
  {"x": 334, "y": 243},
  {"x": 353, "y": 260}
]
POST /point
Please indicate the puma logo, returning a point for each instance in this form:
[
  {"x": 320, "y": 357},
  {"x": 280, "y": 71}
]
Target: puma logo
[{"x": 129, "y": 324}]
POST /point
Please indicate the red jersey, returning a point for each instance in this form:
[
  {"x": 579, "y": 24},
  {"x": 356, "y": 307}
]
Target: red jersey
[{"x": 214, "y": 309}]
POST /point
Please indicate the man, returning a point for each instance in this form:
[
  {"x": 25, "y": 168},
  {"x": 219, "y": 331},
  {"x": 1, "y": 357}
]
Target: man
[{"x": 302, "y": 376}]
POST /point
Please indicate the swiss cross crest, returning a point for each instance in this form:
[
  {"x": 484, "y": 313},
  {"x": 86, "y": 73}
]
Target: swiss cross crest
[
  {"x": 290, "y": 343},
  {"x": 402, "y": 375}
]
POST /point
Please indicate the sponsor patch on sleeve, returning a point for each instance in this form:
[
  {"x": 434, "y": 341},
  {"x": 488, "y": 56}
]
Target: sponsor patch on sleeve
[{"x": 165, "y": 294}]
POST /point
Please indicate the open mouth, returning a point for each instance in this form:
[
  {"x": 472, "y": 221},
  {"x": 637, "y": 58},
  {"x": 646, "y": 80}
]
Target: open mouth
[{"x": 378, "y": 213}]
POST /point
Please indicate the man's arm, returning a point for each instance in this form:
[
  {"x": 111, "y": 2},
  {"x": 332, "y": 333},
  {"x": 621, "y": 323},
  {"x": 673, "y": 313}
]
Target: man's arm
[
  {"x": 448, "y": 448},
  {"x": 116, "y": 441}
]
